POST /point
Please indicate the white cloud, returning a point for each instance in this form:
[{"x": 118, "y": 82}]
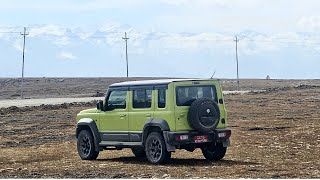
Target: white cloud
[
  {"x": 47, "y": 30},
  {"x": 235, "y": 16},
  {"x": 141, "y": 41},
  {"x": 187, "y": 15},
  {"x": 66, "y": 56},
  {"x": 209, "y": 4},
  {"x": 70, "y": 5},
  {"x": 18, "y": 45},
  {"x": 192, "y": 3},
  {"x": 309, "y": 24},
  {"x": 57, "y": 34},
  {"x": 111, "y": 4}
]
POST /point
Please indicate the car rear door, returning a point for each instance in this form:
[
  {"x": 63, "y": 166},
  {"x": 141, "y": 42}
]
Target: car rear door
[
  {"x": 185, "y": 93},
  {"x": 141, "y": 109}
]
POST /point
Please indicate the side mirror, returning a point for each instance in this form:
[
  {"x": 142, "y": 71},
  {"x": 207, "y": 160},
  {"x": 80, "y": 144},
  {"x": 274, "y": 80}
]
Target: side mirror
[
  {"x": 100, "y": 105},
  {"x": 221, "y": 101},
  {"x": 110, "y": 108}
]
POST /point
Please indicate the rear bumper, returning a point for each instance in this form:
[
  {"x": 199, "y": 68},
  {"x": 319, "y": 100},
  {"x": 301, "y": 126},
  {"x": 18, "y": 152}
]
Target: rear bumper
[{"x": 191, "y": 137}]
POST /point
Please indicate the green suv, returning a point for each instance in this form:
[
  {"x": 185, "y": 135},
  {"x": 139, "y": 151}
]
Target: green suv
[{"x": 156, "y": 117}]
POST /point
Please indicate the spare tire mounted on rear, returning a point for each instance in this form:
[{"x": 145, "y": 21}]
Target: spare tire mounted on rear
[{"x": 204, "y": 115}]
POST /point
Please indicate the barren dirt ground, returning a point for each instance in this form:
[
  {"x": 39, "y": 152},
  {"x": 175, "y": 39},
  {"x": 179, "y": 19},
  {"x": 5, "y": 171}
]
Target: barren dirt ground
[
  {"x": 276, "y": 134},
  {"x": 87, "y": 87},
  {"x": 57, "y": 87}
]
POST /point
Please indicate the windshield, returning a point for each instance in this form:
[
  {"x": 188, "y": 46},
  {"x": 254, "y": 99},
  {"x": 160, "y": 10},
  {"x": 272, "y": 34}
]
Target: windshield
[{"x": 187, "y": 94}]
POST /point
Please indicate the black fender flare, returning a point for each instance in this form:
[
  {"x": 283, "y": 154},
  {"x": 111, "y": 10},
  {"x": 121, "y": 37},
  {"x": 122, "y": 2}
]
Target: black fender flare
[
  {"x": 162, "y": 124},
  {"x": 157, "y": 123},
  {"x": 91, "y": 124}
]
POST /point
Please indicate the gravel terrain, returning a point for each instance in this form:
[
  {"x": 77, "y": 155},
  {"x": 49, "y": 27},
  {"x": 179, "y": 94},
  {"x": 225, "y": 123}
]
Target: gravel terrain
[
  {"x": 52, "y": 101},
  {"x": 57, "y": 101},
  {"x": 40, "y": 88},
  {"x": 57, "y": 87},
  {"x": 276, "y": 134}
]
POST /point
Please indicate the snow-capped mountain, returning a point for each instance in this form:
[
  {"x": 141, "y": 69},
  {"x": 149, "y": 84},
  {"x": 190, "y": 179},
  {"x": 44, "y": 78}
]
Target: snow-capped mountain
[{"x": 99, "y": 51}]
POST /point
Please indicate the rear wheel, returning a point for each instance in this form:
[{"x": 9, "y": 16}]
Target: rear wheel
[
  {"x": 138, "y": 152},
  {"x": 85, "y": 146},
  {"x": 214, "y": 151},
  {"x": 155, "y": 149}
]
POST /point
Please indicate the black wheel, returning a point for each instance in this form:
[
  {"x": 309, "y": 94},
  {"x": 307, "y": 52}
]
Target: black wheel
[
  {"x": 214, "y": 151},
  {"x": 155, "y": 149},
  {"x": 85, "y": 146},
  {"x": 138, "y": 152},
  {"x": 204, "y": 115}
]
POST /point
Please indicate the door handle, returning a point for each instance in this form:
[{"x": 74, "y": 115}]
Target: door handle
[
  {"x": 123, "y": 115},
  {"x": 182, "y": 115},
  {"x": 148, "y": 115}
]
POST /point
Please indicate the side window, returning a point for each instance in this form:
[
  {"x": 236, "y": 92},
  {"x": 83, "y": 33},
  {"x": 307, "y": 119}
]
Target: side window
[
  {"x": 117, "y": 99},
  {"x": 142, "y": 98},
  {"x": 161, "y": 98}
]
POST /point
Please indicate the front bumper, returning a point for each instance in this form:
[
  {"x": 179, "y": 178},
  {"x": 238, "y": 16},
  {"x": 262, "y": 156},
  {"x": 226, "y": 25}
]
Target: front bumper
[{"x": 194, "y": 137}]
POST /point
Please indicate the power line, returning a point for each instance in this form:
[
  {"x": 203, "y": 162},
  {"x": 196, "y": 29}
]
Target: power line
[
  {"x": 126, "y": 40},
  {"x": 24, "y": 34},
  {"x": 190, "y": 38},
  {"x": 191, "y": 35},
  {"x": 284, "y": 42},
  {"x": 9, "y": 32}
]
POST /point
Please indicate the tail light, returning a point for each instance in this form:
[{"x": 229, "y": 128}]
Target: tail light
[
  {"x": 225, "y": 134},
  {"x": 182, "y": 137}
]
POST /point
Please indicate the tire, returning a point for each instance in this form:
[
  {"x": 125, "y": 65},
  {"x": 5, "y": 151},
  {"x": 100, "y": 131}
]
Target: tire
[
  {"x": 204, "y": 115},
  {"x": 155, "y": 149},
  {"x": 214, "y": 151},
  {"x": 138, "y": 152},
  {"x": 85, "y": 146}
]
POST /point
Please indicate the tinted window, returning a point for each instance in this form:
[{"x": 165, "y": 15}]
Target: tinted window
[
  {"x": 161, "y": 98},
  {"x": 186, "y": 95},
  {"x": 117, "y": 99},
  {"x": 142, "y": 98}
]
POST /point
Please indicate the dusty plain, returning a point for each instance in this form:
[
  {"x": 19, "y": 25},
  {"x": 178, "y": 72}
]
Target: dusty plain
[{"x": 276, "y": 134}]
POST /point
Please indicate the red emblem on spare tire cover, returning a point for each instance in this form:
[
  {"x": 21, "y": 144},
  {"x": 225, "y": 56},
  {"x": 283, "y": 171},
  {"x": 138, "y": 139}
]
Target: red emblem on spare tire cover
[{"x": 204, "y": 115}]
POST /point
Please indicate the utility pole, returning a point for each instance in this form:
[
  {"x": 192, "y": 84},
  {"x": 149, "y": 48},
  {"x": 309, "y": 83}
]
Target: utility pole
[
  {"x": 24, "y": 34},
  {"x": 126, "y": 39},
  {"x": 238, "y": 82}
]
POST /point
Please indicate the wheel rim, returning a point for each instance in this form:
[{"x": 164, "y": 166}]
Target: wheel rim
[
  {"x": 155, "y": 149},
  {"x": 85, "y": 146}
]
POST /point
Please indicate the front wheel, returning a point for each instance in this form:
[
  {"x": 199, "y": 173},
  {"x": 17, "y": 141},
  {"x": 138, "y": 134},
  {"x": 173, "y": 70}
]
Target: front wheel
[
  {"x": 214, "y": 151},
  {"x": 155, "y": 149},
  {"x": 85, "y": 146}
]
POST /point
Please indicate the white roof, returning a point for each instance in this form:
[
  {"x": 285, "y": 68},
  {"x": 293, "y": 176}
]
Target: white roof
[{"x": 153, "y": 82}]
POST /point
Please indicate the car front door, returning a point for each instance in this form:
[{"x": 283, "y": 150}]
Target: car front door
[{"x": 114, "y": 120}]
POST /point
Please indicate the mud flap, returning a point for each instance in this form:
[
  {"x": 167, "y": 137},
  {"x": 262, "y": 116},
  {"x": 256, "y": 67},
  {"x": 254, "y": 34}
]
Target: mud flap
[
  {"x": 169, "y": 147},
  {"x": 226, "y": 143}
]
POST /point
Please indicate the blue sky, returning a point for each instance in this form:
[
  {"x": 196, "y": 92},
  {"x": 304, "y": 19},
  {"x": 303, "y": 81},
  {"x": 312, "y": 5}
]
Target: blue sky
[{"x": 181, "y": 38}]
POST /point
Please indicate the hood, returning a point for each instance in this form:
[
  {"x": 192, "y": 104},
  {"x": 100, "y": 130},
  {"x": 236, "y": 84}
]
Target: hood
[{"x": 92, "y": 110}]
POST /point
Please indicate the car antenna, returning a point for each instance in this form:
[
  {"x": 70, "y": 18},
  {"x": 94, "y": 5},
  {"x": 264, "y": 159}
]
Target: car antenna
[{"x": 213, "y": 74}]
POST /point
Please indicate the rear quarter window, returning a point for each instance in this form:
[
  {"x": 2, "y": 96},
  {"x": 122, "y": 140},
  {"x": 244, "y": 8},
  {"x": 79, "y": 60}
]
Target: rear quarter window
[{"x": 161, "y": 98}]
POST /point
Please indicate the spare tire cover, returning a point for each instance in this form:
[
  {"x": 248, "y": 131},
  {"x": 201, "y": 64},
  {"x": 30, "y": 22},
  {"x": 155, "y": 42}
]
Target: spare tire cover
[{"x": 204, "y": 115}]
